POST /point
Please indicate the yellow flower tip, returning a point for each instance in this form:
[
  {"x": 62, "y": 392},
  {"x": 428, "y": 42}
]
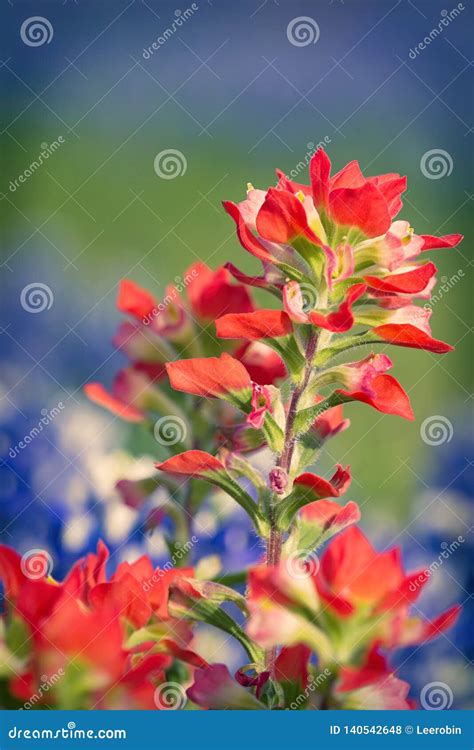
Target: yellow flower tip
[
  {"x": 300, "y": 195},
  {"x": 250, "y": 187},
  {"x": 410, "y": 232}
]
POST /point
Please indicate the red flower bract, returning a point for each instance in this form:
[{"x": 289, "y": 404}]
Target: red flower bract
[
  {"x": 253, "y": 326},
  {"x": 211, "y": 376}
]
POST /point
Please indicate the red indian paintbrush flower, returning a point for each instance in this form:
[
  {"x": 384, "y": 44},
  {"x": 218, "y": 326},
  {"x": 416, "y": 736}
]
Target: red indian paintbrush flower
[
  {"x": 346, "y": 271},
  {"x": 338, "y": 229}
]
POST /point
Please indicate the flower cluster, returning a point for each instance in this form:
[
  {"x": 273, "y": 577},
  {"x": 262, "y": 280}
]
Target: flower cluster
[
  {"x": 157, "y": 332},
  {"x": 322, "y": 609},
  {"x": 111, "y": 641}
]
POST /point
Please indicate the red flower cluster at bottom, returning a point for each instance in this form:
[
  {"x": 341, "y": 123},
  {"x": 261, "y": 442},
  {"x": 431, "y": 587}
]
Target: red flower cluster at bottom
[{"x": 100, "y": 642}]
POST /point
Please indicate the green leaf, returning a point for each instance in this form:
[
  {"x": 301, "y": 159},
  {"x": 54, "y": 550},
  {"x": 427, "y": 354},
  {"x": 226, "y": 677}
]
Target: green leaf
[
  {"x": 344, "y": 344},
  {"x": 210, "y": 612},
  {"x": 17, "y": 638},
  {"x": 290, "y": 505},
  {"x": 306, "y": 417},
  {"x": 288, "y": 349},
  {"x": 238, "y": 466},
  {"x": 218, "y": 593},
  {"x": 274, "y": 434},
  {"x": 223, "y": 480}
]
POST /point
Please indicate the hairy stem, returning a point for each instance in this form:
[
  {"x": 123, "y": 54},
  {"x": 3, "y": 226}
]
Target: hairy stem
[
  {"x": 287, "y": 454},
  {"x": 274, "y": 542}
]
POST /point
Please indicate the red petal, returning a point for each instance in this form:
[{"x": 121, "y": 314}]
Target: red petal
[
  {"x": 247, "y": 239},
  {"x": 214, "y": 688},
  {"x": 319, "y": 487},
  {"x": 349, "y": 176},
  {"x": 212, "y": 294},
  {"x": 328, "y": 513},
  {"x": 292, "y": 665},
  {"x": 263, "y": 364},
  {"x": 351, "y": 567},
  {"x": 152, "y": 665},
  {"x": 284, "y": 183},
  {"x": 338, "y": 603},
  {"x": 189, "y": 657},
  {"x": 374, "y": 667},
  {"x": 434, "y": 243},
  {"x": 208, "y": 376},
  {"x": 253, "y": 326},
  {"x": 342, "y": 319},
  {"x": 410, "y": 282},
  {"x": 441, "y": 623},
  {"x": 363, "y": 207},
  {"x": 391, "y": 186},
  {"x": 191, "y": 463},
  {"x": 407, "y": 592},
  {"x": 408, "y": 335},
  {"x": 242, "y": 277},
  {"x": 319, "y": 171},
  {"x": 282, "y": 218},
  {"x": 389, "y": 397},
  {"x": 134, "y": 300},
  {"x": 126, "y": 595},
  {"x": 99, "y": 395}
]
